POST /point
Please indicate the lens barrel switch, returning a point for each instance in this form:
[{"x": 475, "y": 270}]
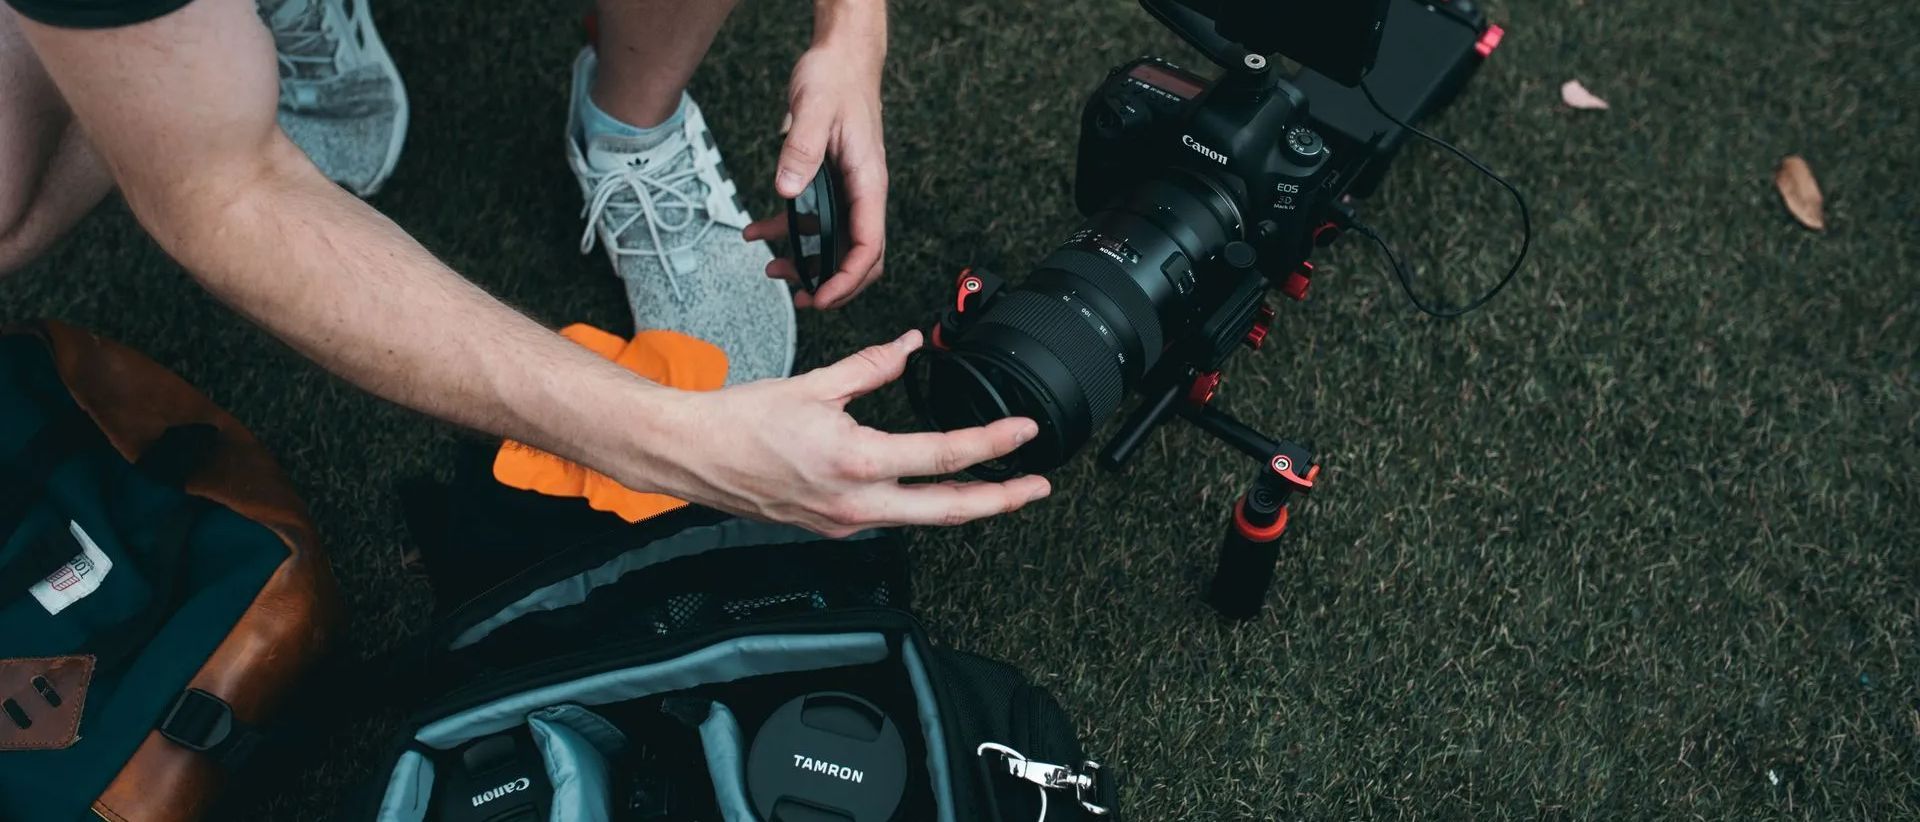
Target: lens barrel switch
[{"x": 1179, "y": 272}]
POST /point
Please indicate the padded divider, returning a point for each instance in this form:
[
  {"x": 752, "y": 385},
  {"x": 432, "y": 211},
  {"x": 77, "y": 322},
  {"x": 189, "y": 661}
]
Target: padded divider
[
  {"x": 409, "y": 789},
  {"x": 605, "y": 736},
  {"x": 721, "y": 662},
  {"x": 726, "y": 751},
  {"x": 724, "y": 743},
  {"x": 575, "y": 744},
  {"x": 932, "y": 729}
]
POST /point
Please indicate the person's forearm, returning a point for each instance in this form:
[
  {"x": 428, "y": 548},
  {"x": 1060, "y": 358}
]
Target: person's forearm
[
  {"x": 345, "y": 286},
  {"x": 862, "y": 21}
]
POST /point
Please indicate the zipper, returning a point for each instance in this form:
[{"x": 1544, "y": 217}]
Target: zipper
[
  {"x": 585, "y": 555},
  {"x": 1035, "y": 744},
  {"x": 580, "y": 557}
]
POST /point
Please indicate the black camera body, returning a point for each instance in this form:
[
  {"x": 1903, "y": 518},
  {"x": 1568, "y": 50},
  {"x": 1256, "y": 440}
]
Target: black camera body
[
  {"x": 1250, "y": 139},
  {"x": 1250, "y": 133}
]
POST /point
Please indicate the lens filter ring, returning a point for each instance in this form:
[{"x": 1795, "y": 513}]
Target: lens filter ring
[
  {"x": 817, "y": 225},
  {"x": 967, "y": 388},
  {"x": 966, "y": 385}
]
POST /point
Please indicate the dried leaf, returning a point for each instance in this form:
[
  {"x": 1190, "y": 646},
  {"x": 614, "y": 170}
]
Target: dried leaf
[
  {"x": 1801, "y": 192},
  {"x": 1579, "y": 97}
]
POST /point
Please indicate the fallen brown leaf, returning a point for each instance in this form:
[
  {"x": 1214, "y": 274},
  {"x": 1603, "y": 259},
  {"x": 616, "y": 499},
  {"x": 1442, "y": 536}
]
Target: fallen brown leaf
[
  {"x": 1579, "y": 97},
  {"x": 1801, "y": 192}
]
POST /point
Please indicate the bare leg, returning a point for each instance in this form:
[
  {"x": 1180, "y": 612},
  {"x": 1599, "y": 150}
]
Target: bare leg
[
  {"x": 648, "y": 50},
  {"x": 49, "y": 174}
]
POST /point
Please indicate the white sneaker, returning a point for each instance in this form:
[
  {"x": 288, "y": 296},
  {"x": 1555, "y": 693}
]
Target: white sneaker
[
  {"x": 341, "y": 99},
  {"x": 668, "y": 215}
]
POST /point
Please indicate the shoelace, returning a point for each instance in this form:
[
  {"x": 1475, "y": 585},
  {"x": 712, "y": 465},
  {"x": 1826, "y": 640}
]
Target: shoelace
[
  {"x": 609, "y": 214},
  {"x": 306, "y": 39}
]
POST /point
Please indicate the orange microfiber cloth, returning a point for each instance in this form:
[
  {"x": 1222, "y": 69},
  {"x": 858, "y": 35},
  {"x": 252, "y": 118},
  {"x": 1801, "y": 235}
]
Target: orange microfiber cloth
[{"x": 669, "y": 358}]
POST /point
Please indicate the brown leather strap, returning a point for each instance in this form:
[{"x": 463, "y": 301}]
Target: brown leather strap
[{"x": 41, "y": 699}]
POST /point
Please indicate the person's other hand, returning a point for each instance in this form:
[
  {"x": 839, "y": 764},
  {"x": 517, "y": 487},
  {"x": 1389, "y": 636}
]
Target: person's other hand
[
  {"x": 787, "y": 451},
  {"x": 833, "y": 104}
]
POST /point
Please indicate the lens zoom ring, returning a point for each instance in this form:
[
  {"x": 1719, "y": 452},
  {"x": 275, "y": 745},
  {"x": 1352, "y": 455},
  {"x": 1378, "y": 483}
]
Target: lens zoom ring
[
  {"x": 1058, "y": 326},
  {"x": 1112, "y": 280}
]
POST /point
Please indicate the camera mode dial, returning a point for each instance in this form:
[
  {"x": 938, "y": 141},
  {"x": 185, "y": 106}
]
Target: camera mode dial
[{"x": 1304, "y": 143}]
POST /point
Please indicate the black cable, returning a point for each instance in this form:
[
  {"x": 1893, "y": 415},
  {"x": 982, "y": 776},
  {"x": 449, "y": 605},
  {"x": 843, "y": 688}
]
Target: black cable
[{"x": 1406, "y": 283}]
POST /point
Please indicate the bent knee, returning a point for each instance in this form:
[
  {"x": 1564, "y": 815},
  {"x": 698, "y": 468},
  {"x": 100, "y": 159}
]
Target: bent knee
[
  {"x": 26, "y": 165},
  {"x": 40, "y": 203},
  {"x": 17, "y": 241},
  {"x": 24, "y": 232},
  {"x": 15, "y": 252}
]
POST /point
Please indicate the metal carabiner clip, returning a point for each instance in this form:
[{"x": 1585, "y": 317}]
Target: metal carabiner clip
[{"x": 1047, "y": 776}]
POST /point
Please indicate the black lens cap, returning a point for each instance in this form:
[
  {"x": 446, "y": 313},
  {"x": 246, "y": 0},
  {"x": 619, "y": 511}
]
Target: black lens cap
[
  {"x": 827, "y": 757},
  {"x": 817, "y": 226}
]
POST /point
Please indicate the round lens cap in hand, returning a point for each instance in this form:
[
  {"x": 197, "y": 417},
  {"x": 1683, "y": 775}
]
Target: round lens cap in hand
[
  {"x": 817, "y": 226},
  {"x": 827, "y": 757}
]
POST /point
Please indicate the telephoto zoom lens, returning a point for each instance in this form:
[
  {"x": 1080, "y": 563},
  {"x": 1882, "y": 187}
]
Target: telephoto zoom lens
[{"x": 1068, "y": 345}]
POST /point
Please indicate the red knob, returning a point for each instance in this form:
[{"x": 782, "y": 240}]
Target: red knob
[
  {"x": 1296, "y": 286},
  {"x": 1326, "y": 234},
  {"x": 1262, "y": 323},
  {"x": 1489, "y": 40},
  {"x": 968, "y": 285},
  {"x": 1204, "y": 387}
]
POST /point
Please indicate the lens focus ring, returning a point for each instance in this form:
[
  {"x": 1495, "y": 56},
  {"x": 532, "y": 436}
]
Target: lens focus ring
[
  {"x": 1112, "y": 280},
  {"x": 1054, "y": 323}
]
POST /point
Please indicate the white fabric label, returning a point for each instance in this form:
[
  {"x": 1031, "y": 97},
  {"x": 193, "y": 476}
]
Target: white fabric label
[{"x": 73, "y": 581}]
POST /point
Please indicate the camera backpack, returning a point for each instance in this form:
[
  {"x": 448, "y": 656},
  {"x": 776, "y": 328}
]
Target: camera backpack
[
  {"x": 161, "y": 588},
  {"x": 636, "y": 676}
]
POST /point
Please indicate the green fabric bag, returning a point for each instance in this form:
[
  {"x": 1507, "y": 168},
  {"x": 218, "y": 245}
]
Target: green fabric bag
[{"x": 159, "y": 585}]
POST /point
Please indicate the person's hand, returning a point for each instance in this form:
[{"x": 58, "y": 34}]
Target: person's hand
[
  {"x": 787, "y": 451},
  {"x": 833, "y": 104}
]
